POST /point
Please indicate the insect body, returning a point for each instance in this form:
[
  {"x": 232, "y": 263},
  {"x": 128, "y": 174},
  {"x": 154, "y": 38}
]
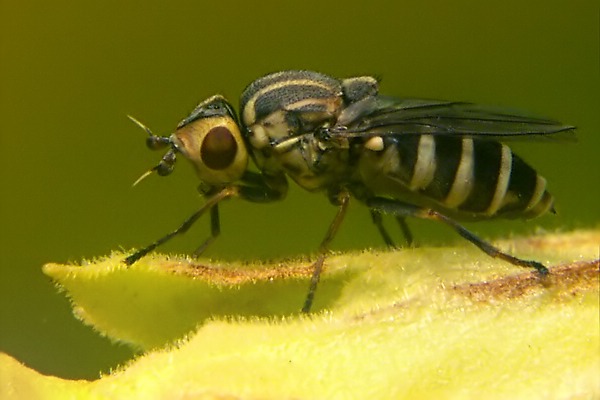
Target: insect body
[{"x": 428, "y": 159}]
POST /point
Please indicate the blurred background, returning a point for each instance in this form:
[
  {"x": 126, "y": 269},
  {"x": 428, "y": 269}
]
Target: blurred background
[{"x": 70, "y": 72}]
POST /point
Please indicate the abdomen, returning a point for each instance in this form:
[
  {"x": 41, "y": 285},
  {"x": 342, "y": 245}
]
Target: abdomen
[{"x": 463, "y": 176}]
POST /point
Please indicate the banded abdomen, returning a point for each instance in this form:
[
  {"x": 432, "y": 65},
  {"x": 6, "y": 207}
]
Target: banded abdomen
[{"x": 467, "y": 177}]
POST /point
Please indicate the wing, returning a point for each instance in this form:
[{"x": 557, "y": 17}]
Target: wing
[{"x": 382, "y": 115}]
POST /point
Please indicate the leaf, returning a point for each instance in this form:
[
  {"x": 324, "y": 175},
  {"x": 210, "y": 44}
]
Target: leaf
[{"x": 417, "y": 323}]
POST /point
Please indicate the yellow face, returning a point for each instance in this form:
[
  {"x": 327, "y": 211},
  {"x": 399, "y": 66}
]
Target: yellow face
[{"x": 215, "y": 148}]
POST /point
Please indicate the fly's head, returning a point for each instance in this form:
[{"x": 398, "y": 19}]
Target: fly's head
[{"x": 209, "y": 138}]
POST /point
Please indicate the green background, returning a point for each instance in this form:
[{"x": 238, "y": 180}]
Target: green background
[{"x": 71, "y": 71}]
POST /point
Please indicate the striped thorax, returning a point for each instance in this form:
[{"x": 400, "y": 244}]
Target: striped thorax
[{"x": 281, "y": 115}]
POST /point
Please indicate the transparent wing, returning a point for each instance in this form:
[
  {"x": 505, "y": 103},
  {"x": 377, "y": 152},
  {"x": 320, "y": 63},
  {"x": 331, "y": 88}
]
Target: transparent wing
[{"x": 397, "y": 116}]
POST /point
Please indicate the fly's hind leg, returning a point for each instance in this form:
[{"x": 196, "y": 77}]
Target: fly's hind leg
[
  {"x": 377, "y": 220},
  {"x": 408, "y": 236},
  {"x": 409, "y": 210}
]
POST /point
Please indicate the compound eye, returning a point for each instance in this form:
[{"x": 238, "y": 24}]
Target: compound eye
[{"x": 219, "y": 148}]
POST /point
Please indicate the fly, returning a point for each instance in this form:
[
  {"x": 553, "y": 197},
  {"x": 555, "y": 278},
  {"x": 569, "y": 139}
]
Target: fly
[{"x": 436, "y": 160}]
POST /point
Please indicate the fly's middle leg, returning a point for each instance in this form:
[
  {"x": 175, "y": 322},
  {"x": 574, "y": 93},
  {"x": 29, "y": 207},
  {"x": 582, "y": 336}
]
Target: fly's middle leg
[
  {"x": 409, "y": 210},
  {"x": 343, "y": 199}
]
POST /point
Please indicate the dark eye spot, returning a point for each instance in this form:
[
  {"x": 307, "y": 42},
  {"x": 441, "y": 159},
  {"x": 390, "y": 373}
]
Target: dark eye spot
[{"x": 218, "y": 148}]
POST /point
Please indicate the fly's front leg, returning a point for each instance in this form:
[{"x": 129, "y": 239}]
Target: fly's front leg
[
  {"x": 215, "y": 230},
  {"x": 409, "y": 210},
  {"x": 342, "y": 200},
  {"x": 210, "y": 203},
  {"x": 263, "y": 188},
  {"x": 255, "y": 188}
]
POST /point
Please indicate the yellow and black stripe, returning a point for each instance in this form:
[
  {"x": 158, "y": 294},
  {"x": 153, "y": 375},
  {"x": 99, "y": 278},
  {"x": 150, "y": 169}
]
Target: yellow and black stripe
[
  {"x": 466, "y": 175},
  {"x": 290, "y": 91}
]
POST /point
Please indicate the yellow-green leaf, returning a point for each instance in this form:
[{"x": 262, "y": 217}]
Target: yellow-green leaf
[{"x": 418, "y": 323}]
